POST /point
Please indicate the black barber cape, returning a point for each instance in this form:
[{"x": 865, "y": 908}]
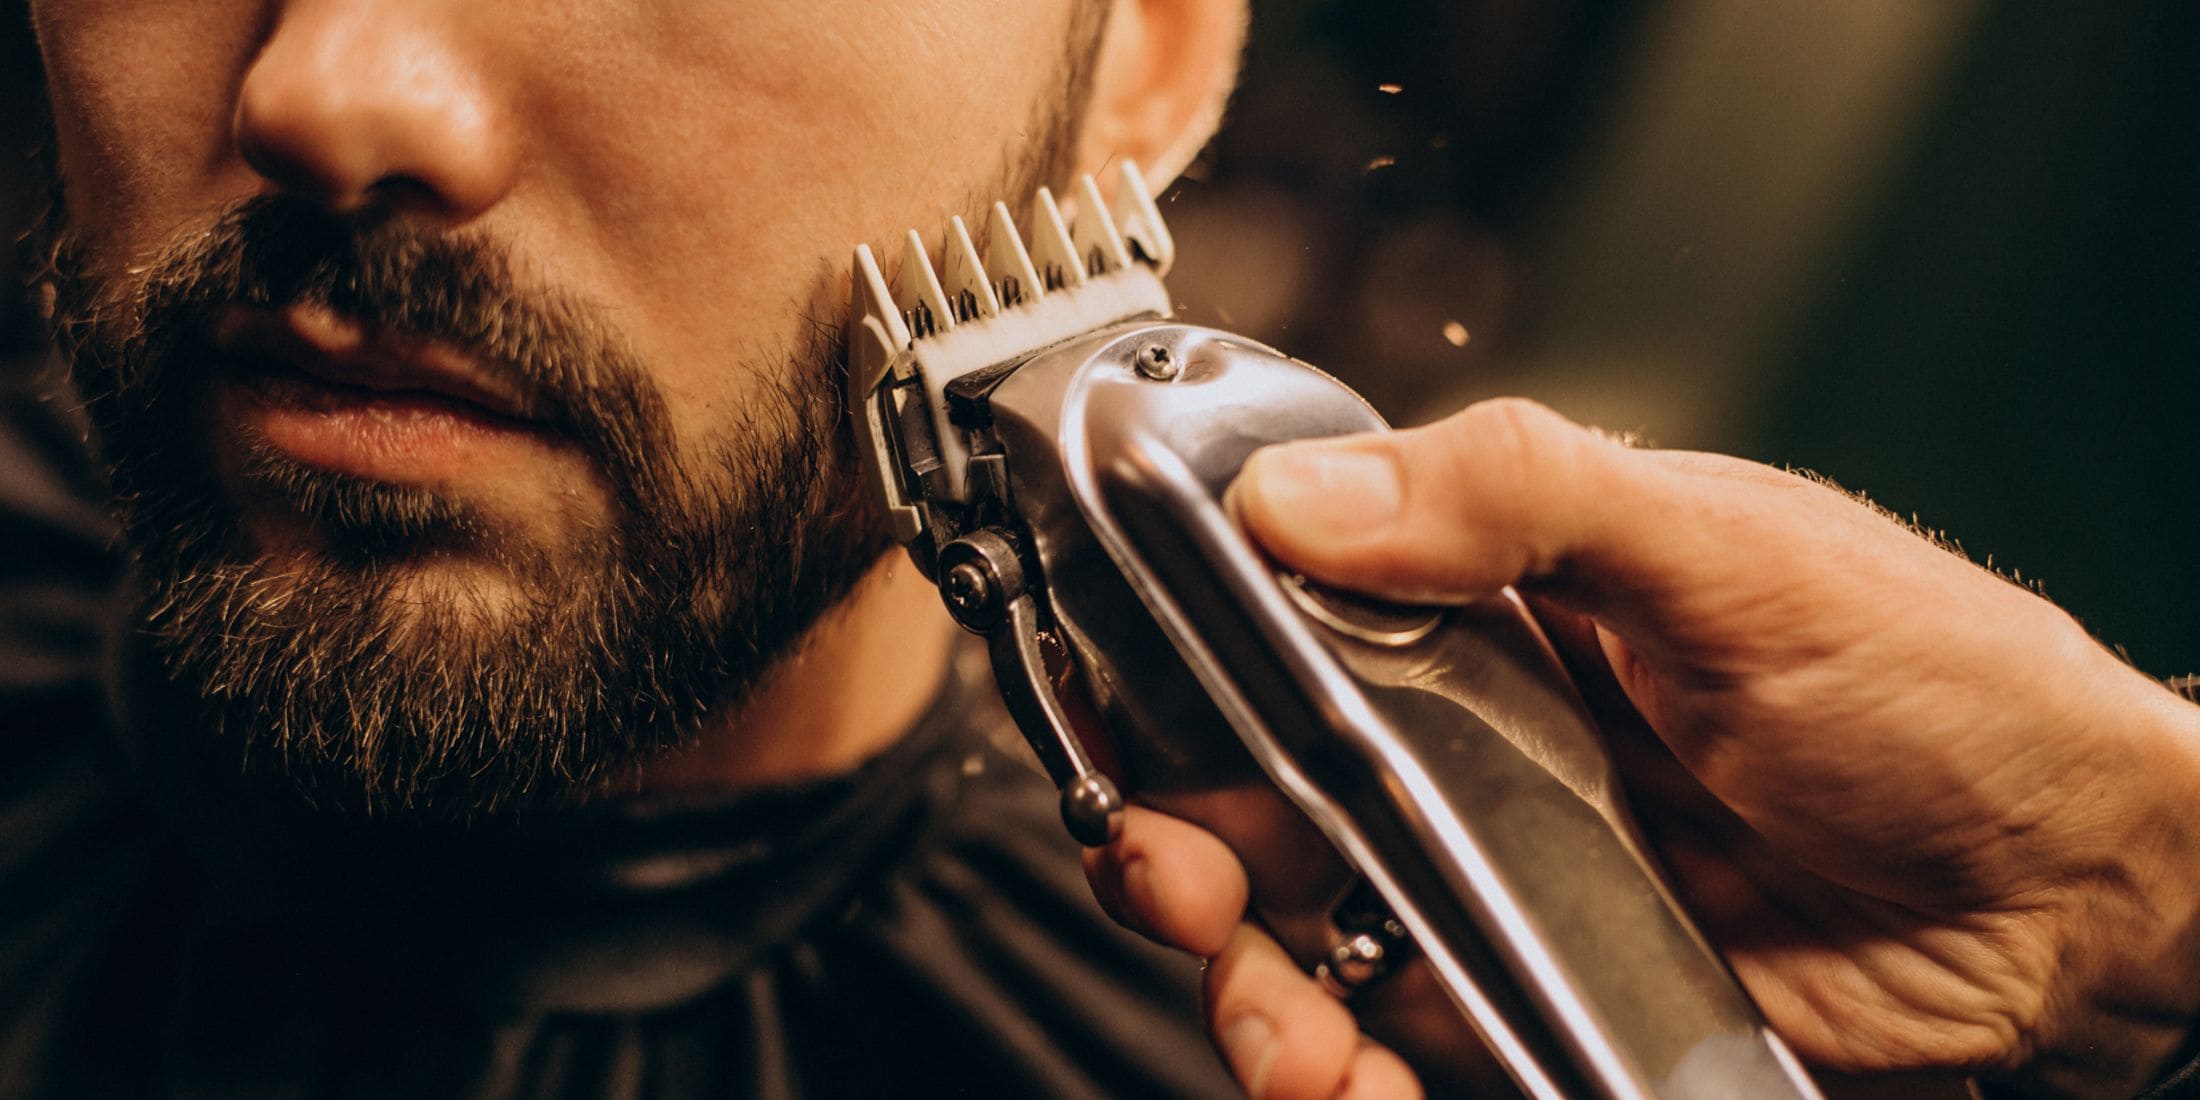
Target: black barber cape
[{"x": 919, "y": 927}]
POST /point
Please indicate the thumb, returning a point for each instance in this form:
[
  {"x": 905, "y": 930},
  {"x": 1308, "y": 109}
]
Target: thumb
[
  {"x": 1696, "y": 562},
  {"x": 1503, "y": 492}
]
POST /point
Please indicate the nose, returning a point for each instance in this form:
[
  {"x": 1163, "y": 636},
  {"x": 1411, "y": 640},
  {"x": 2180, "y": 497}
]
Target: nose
[{"x": 376, "y": 104}]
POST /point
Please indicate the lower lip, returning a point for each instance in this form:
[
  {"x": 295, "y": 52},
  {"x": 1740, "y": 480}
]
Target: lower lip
[{"x": 405, "y": 436}]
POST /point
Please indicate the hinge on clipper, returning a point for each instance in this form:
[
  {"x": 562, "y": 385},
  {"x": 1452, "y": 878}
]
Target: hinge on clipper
[{"x": 911, "y": 337}]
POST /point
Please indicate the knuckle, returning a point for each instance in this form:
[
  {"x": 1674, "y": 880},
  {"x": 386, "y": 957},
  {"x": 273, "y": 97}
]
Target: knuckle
[
  {"x": 1499, "y": 468},
  {"x": 1513, "y": 441}
]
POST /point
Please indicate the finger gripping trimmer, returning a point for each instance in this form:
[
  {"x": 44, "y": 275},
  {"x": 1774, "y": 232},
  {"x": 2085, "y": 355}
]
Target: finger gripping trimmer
[{"x": 1429, "y": 818}]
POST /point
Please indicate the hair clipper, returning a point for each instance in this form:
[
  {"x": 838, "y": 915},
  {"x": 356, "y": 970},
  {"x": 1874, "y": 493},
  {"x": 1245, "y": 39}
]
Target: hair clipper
[{"x": 1429, "y": 818}]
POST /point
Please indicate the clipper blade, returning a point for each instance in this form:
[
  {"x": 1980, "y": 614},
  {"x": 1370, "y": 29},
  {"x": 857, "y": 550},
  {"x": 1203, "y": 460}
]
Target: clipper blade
[{"x": 910, "y": 336}]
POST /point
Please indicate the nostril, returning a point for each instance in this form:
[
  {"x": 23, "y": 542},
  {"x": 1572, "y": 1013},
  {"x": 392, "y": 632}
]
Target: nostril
[
  {"x": 404, "y": 195},
  {"x": 302, "y": 149},
  {"x": 289, "y": 176},
  {"x": 366, "y": 109}
]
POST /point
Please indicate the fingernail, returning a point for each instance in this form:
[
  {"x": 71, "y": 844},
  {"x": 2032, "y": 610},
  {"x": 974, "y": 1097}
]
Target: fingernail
[
  {"x": 1340, "y": 489},
  {"x": 1249, "y": 1044}
]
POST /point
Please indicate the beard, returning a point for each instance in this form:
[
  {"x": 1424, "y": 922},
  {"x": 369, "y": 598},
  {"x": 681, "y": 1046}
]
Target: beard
[
  {"x": 343, "y": 674},
  {"x": 339, "y": 673}
]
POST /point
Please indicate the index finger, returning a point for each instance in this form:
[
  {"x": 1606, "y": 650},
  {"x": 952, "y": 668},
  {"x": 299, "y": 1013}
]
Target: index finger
[{"x": 1171, "y": 881}]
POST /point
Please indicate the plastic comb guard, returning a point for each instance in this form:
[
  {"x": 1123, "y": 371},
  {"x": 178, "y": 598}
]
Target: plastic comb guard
[{"x": 1428, "y": 817}]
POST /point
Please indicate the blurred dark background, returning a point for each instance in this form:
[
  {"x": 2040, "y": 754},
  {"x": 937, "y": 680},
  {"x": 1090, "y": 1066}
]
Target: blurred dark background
[
  {"x": 19, "y": 107},
  {"x": 1940, "y": 252}
]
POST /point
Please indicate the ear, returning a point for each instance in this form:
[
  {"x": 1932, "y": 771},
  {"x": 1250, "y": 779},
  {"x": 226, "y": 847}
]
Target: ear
[{"x": 1163, "y": 73}]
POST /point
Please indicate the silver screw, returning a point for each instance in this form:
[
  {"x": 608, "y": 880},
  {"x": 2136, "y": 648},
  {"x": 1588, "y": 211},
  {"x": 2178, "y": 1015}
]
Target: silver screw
[
  {"x": 969, "y": 591},
  {"x": 1156, "y": 362}
]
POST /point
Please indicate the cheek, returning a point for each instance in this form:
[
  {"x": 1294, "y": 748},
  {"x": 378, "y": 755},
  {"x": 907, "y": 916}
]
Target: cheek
[
  {"x": 141, "y": 96},
  {"x": 729, "y": 160}
]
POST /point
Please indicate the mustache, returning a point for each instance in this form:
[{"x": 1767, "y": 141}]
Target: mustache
[{"x": 571, "y": 370}]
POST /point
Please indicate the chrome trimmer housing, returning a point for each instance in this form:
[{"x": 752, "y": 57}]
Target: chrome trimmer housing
[{"x": 1429, "y": 818}]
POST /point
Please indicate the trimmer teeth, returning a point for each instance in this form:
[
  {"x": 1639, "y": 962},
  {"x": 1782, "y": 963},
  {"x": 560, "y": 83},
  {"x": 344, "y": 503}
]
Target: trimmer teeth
[
  {"x": 1015, "y": 280},
  {"x": 1053, "y": 250},
  {"x": 1060, "y": 256},
  {"x": 1028, "y": 287},
  {"x": 1098, "y": 243},
  {"x": 969, "y": 294}
]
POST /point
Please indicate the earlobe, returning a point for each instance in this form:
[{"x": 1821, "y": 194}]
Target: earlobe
[{"x": 1162, "y": 76}]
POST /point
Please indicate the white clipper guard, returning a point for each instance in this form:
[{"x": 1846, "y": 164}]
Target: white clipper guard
[{"x": 909, "y": 338}]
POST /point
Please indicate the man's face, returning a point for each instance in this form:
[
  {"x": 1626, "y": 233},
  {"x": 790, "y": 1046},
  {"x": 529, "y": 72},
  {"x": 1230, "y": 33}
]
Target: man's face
[{"x": 468, "y": 370}]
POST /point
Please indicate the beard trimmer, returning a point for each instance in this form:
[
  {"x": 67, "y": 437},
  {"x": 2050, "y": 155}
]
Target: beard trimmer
[{"x": 1429, "y": 819}]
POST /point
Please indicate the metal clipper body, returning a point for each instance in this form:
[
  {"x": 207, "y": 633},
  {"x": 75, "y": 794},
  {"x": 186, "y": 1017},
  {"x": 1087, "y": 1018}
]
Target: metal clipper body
[{"x": 1411, "y": 789}]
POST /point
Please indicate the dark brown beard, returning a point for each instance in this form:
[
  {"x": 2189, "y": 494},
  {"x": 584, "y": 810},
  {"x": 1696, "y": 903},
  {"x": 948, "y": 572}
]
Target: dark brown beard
[
  {"x": 321, "y": 676},
  {"x": 618, "y": 647}
]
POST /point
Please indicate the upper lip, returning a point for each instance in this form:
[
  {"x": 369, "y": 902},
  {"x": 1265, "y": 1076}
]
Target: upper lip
[{"x": 336, "y": 349}]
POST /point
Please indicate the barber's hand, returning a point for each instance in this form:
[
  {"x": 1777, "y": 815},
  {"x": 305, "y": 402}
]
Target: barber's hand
[{"x": 1929, "y": 822}]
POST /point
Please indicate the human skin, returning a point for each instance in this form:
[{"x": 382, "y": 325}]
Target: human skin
[
  {"x": 695, "y": 172},
  {"x": 1931, "y": 823}
]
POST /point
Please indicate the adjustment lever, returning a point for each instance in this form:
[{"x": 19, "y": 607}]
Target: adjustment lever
[{"x": 982, "y": 581}]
